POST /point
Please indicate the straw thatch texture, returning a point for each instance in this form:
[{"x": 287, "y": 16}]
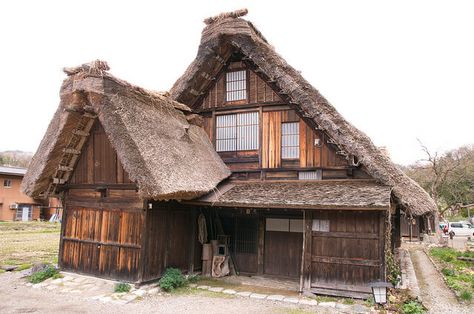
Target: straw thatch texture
[
  {"x": 324, "y": 194},
  {"x": 166, "y": 156},
  {"x": 222, "y": 37}
]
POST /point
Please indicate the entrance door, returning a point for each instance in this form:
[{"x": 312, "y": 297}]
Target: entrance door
[
  {"x": 246, "y": 244},
  {"x": 25, "y": 216},
  {"x": 283, "y": 246}
]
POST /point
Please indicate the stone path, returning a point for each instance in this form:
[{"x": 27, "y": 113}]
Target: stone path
[
  {"x": 437, "y": 297},
  {"x": 102, "y": 290}
]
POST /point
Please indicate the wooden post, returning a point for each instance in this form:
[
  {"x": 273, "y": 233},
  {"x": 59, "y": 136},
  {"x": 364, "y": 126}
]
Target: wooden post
[
  {"x": 302, "y": 253},
  {"x": 308, "y": 225},
  {"x": 261, "y": 245},
  {"x": 192, "y": 241},
  {"x": 144, "y": 241},
  {"x": 63, "y": 229}
]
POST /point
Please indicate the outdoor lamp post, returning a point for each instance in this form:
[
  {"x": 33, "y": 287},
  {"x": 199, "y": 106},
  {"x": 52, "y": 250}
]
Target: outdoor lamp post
[{"x": 379, "y": 291}]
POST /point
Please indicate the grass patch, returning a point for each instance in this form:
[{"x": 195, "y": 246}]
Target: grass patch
[
  {"x": 458, "y": 274},
  {"x": 348, "y": 301},
  {"x": 2, "y": 271},
  {"x": 413, "y": 307},
  {"x": 29, "y": 242},
  {"x": 23, "y": 267},
  {"x": 42, "y": 275},
  {"x": 122, "y": 287}
]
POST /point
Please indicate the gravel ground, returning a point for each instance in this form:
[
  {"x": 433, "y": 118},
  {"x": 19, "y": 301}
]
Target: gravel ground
[
  {"x": 434, "y": 292},
  {"x": 15, "y": 297}
]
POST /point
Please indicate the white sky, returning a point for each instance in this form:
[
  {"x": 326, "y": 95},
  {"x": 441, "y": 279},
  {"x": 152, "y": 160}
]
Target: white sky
[{"x": 397, "y": 70}]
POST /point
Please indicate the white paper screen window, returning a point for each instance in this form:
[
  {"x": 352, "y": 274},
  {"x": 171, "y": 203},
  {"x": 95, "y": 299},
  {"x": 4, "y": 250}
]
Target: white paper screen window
[
  {"x": 321, "y": 225},
  {"x": 237, "y": 132},
  {"x": 236, "y": 85},
  {"x": 275, "y": 224},
  {"x": 290, "y": 140}
]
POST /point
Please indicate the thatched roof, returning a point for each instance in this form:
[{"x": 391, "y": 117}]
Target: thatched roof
[
  {"x": 325, "y": 194},
  {"x": 156, "y": 141},
  {"x": 226, "y": 34}
]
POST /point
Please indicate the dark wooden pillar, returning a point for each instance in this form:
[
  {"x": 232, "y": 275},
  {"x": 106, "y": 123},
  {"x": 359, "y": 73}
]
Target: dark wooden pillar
[
  {"x": 144, "y": 242},
  {"x": 261, "y": 245},
  {"x": 192, "y": 240},
  {"x": 63, "y": 228},
  {"x": 308, "y": 238}
]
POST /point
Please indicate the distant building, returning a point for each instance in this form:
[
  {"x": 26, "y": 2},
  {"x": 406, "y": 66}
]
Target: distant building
[{"x": 15, "y": 205}]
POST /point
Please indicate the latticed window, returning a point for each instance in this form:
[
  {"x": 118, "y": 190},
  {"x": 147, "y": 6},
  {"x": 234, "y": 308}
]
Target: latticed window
[
  {"x": 236, "y": 132},
  {"x": 290, "y": 140},
  {"x": 236, "y": 85},
  {"x": 7, "y": 183}
]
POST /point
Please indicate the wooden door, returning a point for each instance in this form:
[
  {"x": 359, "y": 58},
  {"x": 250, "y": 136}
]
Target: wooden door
[
  {"x": 347, "y": 249},
  {"x": 283, "y": 247},
  {"x": 246, "y": 244}
]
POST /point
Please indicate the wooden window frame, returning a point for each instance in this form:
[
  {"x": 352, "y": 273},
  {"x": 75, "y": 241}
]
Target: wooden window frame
[
  {"x": 236, "y": 138},
  {"x": 246, "y": 89},
  {"x": 9, "y": 185},
  {"x": 289, "y": 135}
]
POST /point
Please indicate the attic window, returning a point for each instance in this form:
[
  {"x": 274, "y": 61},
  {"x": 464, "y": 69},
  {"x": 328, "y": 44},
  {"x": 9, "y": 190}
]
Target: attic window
[
  {"x": 237, "y": 132},
  {"x": 236, "y": 85},
  {"x": 290, "y": 140}
]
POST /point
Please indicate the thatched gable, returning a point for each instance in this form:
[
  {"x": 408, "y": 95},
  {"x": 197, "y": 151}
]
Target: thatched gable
[
  {"x": 228, "y": 33},
  {"x": 156, "y": 141}
]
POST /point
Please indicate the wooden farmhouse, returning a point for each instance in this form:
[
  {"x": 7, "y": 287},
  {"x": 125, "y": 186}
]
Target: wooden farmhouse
[{"x": 242, "y": 150}]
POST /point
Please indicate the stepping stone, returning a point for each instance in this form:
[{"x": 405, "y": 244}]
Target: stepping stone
[
  {"x": 275, "y": 297},
  {"x": 153, "y": 291},
  {"x": 105, "y": 299},
  {"x": 9, "y": 267},
  {"x": 358, "y": 308},
  {"x": 327, "y": 304},
  {"x": 229, "y": 291},
  {"x": 342, "y": 306},
  {"x": 67, "y": 278},
  {"x": 291, "y": 300},
  {"x": 193, "y": 285},
  {"x": 216, "y": 289},
  {"x": 203, "y": 287},
  {"x": 97, "y": 297},
  {"x": 57, "y": 281},
  {"x": 244, "y": 294},
  {"x": 258, "y": 296},
  {"x": 308, "y": 302},
  {"x": 79, "y": 279},
  {"x": 51, "y": 287},
  {"x": 29, "y": 284},
  {"x": 139, "y": 292},
  {"x": 129, "y": 297}
]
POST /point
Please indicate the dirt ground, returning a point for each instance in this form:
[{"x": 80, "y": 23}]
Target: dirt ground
[
  {"x": 28, "y": 242},
  {"x": 434, "y": 292},
  {"x": 15, "y": 297}
]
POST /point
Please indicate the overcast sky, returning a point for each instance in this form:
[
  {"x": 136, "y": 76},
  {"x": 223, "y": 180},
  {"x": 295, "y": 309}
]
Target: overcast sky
[{"x": 397, "y": 70}]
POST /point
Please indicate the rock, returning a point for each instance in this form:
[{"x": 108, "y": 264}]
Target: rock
[
  {"x": 229, "y": 291},
  {"x": 342, "y": 306},
  {"x": 193, "y": 285},
  {"x": 275, "y": 297},
  {"x": 105, "y": 299},
  {"x": 203, "y": 287},
  {"x": 216, "y": 289},
  {"x": 244, "y": 294},
  {"x": 57, "y": 281},
  {"x": 8, "y": 267},
  {"x": 291, "y": 300},
  {"x": 358, "y": 308},
  {"x": 153, "y": 291},
  {"x": 28, "y": 284},
  {"x": 308, "y": 302},
  {"x": 67, "y": 278},
  {"x": 139, "y": 292},
  {"x": 51, "y": 287},
  {"x": 130, "y": 297},
  {"x": 37, "y": 267},
  {"x": 327, "y": 304},
  {"x": 258, "y": 296}
]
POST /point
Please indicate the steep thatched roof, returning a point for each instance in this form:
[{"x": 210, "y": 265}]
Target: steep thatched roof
[
  {"x": 325, "y": 194},
  {"x": 226, "y": 34},
  {"x": 167, "y": 155}
]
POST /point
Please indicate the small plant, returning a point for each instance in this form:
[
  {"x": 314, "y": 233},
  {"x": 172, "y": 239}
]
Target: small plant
[
  {"x": 448, "y": 272},
  {"x": 193, "y": 278},
  {"x": 370, "y": 301},
  {"x": 172, "y": 279},
  {"x": 348, "y": 301},
  {"x": 466, "y": 296},
  {"x": 122, "y": 287},
  {"x": 413, "y": 307},
  {"x": 48, "y": 272}
]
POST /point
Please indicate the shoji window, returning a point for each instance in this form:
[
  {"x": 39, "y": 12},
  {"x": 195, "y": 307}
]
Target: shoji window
[
  {"x": 236, "y": 132},
  {"x": 236, "y": 85},
  {"x": 290, "y": 140}
]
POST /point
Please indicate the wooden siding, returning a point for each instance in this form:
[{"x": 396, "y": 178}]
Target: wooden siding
[
  {"x": 350, "y": 254},
  {"x": 258, "y": 91},
  {"x": 102, "y": 241},
  {"x": 98, "y": 162}
]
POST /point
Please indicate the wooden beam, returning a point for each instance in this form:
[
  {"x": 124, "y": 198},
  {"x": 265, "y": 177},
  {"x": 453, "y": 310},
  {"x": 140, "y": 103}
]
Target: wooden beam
[
  {"x": 58, "y": 181},
  {"x": 308, "y": 225},
  {"x": 143, "y": 260},
  {"x": 71, "y": 151},
  {"x": 80, "y": 133},
  {"x": 65, "y": 168}
]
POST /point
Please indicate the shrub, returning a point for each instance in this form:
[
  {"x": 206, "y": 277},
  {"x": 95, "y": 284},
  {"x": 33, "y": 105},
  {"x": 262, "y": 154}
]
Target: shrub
[
  {"x": 466, "y": 296},
  {"x": 193, "y": 278},
  {"x": 122, "y": 287},
  {"x": 48, "y": 272},
  {"x": 172, "y": 279},
  {"x": 448, "y": 272},
  {"x": 413, "y": 307}
]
